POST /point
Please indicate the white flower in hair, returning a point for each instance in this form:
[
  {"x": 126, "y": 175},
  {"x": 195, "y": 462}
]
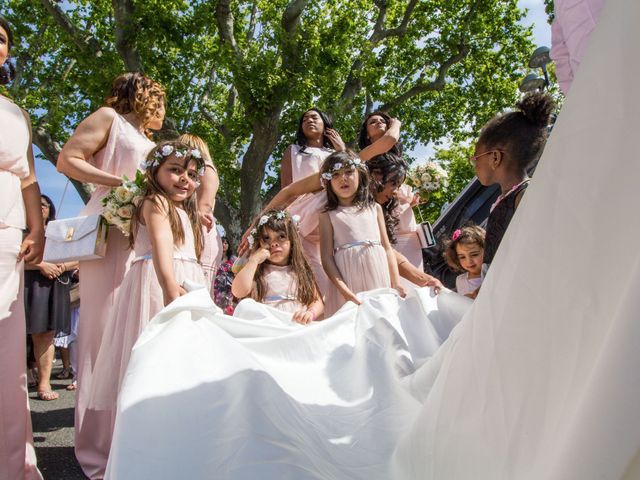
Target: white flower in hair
[
  {"x": 295, "y": 219},
  {"x": 327, "y": 176},
  {"x": 337, "y": 166},
  {"x": 195, "y": 153},
  {"x": 179, "y": 154},
  {"x": 263, "y": 219},
  {"x": 280, "y": 215},
  {"x": 166, "y": 150},
  {"x": 356, "y": 161}
]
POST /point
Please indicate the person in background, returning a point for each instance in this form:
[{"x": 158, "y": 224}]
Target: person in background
[
  {"x": 224, "y": 279},
  {"x": 47, "y": 307}
]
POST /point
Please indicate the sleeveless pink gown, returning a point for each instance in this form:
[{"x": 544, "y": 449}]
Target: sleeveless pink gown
[
  {"x": 358, "y": 254},
  {"x": 100, "y": 281},
  {"x": 407, "y": 241},
  {"x": 281, "y": 288},
  {"x": 211, "y": 255},
  {"x": 17, "y": 456},
  {"x": 138, "y": 301},
  {"x": 309, "y": 206}
]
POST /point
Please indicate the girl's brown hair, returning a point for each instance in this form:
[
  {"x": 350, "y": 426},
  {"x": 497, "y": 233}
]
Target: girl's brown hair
[
  {"x": 469, "y": 235},
  {"x": 363, "y": 196},
  {"x": 156, "y": 195},
  {"x": 280, "y": 221},
  {"x": 135, "y": 92}
]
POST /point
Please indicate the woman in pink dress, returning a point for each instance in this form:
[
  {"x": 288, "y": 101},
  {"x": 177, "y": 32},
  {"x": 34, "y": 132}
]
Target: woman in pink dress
[
  {"x": 167, "y": 242},
  {"x": 108, "y": 144},
  {"x": 19, "y": 209},
  {"x": 212, "y": 251},
  {"x": 315, "y": 140}
]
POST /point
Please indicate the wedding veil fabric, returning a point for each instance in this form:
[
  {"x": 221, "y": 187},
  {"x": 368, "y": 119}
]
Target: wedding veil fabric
[
  {"x": 259, "y": 396},
  {"x": 541, "y": 379}
]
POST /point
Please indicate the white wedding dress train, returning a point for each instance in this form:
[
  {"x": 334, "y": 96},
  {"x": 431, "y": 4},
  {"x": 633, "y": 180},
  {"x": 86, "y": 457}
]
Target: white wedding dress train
[{"x": 258, "y": 396}]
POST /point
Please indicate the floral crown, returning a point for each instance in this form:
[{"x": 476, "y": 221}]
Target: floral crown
[
  {"x": 353, "y": 162},
  {"x": 278, "y": 215},
  {"x": 179, "y": 151}
]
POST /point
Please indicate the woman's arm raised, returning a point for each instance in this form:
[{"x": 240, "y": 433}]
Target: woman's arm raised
[
  {"x": 384, "y": 143},
  {"x": 90, "y": 136}
]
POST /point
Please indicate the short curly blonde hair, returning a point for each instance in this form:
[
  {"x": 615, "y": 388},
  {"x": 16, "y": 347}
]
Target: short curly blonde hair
[{"x": 135, "y": 92}]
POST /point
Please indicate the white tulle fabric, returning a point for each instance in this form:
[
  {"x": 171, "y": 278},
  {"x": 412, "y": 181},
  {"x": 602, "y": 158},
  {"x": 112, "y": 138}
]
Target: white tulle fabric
[{"x": 259, "y": 396}]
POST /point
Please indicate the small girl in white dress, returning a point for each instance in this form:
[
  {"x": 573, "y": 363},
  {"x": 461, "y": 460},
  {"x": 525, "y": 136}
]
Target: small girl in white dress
[
  {"x": 465, "y": 253},
  {"x": 277, "y": 272}
]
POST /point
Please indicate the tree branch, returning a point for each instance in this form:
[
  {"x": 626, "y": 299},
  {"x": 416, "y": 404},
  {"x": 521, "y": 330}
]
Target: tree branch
[
  {"x": 224, "y": 19},
  {"x": 85, "y": 42},
  {"x": 125, "y": 35},
  {"x": 291, "y": 15}
]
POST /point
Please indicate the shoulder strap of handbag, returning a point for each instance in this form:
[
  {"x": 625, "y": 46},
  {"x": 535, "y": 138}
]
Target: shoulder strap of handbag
[{"x": 64, "y": 193}]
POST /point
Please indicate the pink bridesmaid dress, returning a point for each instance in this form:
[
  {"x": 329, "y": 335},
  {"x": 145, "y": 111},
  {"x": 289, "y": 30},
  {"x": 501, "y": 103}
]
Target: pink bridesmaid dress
[
  {"x": 358, "y": 253},
  {"x": 17, "y": 456},
  {"x": 304, "y": 163},
  {"x": 282, "y": 286},
  {"x": 407, "y": 241},
  {"x": 100, "y": 281},
  {"x": 211, "y": 255},
  {"x": 139, "y": 300}
]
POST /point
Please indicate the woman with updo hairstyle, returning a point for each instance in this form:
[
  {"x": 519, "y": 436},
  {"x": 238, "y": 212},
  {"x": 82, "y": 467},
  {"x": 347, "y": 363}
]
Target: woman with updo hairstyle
[
  {"x": 379, "y": 133},
  {"x": 109, "y": 143},
  {"x": 19, "y": 213},
  {"x": 508, "y": 145}
]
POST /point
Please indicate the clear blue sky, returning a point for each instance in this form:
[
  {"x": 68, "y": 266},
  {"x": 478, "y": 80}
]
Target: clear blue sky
[{"x": 52, "y": 183}]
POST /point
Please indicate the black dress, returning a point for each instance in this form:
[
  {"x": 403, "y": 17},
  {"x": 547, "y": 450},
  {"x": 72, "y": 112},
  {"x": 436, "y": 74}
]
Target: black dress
[
  {"x": 47, "y": 302},
  {"x": 499, "y": 220}
]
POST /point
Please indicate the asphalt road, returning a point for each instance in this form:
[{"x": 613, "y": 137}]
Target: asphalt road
[{"x": 53, "y": 432}]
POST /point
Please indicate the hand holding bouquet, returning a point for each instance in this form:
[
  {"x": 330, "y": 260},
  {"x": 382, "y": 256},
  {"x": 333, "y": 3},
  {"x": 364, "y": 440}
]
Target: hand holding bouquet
[{"x": 121, "y": 202}]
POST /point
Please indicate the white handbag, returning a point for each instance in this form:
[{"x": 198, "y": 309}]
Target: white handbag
[
  {"x": 425, "y": 235},
  {"x": 78, "y": 238}
]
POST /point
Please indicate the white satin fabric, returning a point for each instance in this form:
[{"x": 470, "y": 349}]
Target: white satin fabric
[
  {"x": 258, "y": 396},
  {"x": 540, "y": 380}
]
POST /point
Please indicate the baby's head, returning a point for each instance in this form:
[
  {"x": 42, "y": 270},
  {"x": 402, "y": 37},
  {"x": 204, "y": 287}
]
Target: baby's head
[
  {"x": 346, "y": 180},
  {"x": 173, "y": 170},
  {"x": 465, "y": 250}
]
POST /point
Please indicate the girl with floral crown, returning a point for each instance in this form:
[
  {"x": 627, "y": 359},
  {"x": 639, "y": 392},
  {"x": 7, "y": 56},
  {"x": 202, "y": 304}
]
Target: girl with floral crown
[
  {"x": 166, "y": 236},
  {"x": 277, "y": 272},
  {"x": 355, "y": 248}
]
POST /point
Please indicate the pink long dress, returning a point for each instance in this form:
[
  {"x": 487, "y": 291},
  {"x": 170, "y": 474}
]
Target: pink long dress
[
  {"x": 282, "y": 285},
  {"x": 358, "y": 254},
  {"x": 211, "y": 255},
  {"x": 407, "y": 241},
  {"x": 138, "y": 301},
  {"x": 309, "y": 206},
  {"x": 17, "y": 456},
  {"x": 125, "y": 149}
]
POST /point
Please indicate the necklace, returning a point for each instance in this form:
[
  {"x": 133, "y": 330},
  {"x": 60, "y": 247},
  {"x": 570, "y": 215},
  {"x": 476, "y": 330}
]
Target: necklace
[{"x": 504, "y": 195}]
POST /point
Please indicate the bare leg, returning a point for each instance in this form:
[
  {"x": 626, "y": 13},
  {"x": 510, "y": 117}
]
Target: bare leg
[
  {"x": 64, "y": 354},
  {"x": 44, "y": 350}
]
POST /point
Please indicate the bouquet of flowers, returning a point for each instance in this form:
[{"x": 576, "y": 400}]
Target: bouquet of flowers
[
  {"x": 121, "y": 202},
  {"x": 427, "y": 178}
]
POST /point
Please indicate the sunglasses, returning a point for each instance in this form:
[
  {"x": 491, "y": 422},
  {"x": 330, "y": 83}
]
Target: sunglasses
[{"x": 473, "y": 160}]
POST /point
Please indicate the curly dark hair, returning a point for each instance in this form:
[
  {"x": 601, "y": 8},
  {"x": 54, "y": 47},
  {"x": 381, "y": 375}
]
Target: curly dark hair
[
  {"x": 7, "y": 71},
  {"x": 390, "y": 168},
  {"x": 522, "y": 133},
  {"x": 135, "y": 92},
  {"x": 466, "y": 235},
  {"x": 363, "y": 196},
  {"x": 52, "y": 208},
  {"x": 301, "y": 140},
  {"x": 363, "y": 137}
]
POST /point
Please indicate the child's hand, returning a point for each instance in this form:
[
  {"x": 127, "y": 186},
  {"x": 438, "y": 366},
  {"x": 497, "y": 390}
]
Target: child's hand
[
  {"x": 206, "y": 219},
  {"x": 260, "y": 256},
  {"x": 304, "y": 317},
  {"x": 401, "y": 291},
  {"x": 349, "y": 296},
  {"x": 172, "y": 293}
]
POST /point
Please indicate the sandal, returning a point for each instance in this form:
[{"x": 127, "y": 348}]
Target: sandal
[
  {"x": 48, "y": 395},
  {"x": 64, "y": 374}
]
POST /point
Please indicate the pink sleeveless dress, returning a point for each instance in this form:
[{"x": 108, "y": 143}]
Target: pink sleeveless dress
[
  {"x": 358, "y": 253},
  {"x": 139, "y": 300},
  {"x": 281, "y": 288},
  {"x": 211, "y": 255},
  {"x": 309, "y": 206},
  {"x": 407, "y": 241},
  {"x": 100, "y": 281},
  {"x": 17, "y": 456}
]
